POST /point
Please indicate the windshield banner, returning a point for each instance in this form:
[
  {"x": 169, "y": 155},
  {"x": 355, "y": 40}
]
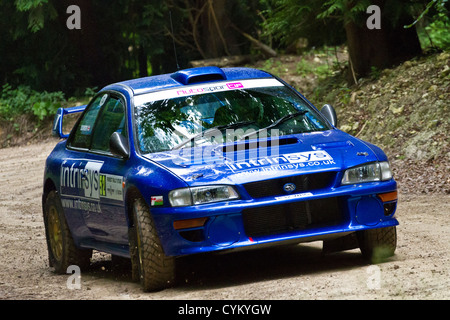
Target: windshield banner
[{"x": 205, "y": 88}]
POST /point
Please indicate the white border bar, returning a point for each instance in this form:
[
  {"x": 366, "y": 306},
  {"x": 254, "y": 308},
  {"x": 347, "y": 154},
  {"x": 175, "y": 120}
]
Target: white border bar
[{"x": 184, "y": 91}]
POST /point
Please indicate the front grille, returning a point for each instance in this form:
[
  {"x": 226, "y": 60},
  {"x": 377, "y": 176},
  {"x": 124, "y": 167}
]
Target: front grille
[
  {"x": 303, "y": 183},
  {"x": 292, "y": 216}
]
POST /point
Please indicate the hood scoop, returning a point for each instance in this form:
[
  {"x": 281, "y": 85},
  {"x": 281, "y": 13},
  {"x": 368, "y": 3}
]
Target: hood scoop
[
  {"x": 266, "y": 143},
  {"x": 199, "y": 75}
]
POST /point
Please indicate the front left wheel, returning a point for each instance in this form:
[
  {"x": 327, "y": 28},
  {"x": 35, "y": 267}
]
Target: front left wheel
[{"x": 62, "y": 251}]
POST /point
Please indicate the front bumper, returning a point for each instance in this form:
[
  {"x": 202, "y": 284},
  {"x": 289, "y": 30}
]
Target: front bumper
[{"x": 317, "y": 215}]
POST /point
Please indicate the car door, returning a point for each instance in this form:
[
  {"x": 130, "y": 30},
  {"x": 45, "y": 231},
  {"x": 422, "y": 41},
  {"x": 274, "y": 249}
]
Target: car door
[
  {"x": 100, "y": 193},
  {"x": 110, "y": 223},
  {"x": 76, "y": 193}
]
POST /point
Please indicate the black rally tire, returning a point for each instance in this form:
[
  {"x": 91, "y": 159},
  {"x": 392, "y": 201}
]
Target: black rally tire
[
  {"x": 378, "y": 244},
  {"x": 150, "y": 265},
  {"x": 62, "y": 251}
]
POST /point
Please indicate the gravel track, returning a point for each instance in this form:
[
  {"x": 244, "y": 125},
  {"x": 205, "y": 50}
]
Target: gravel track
[{"x": 419, "y": 269}]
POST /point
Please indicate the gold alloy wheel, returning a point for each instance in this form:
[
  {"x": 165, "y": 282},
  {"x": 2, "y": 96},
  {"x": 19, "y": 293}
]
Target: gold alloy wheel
[{"x": 54, "y": 232}]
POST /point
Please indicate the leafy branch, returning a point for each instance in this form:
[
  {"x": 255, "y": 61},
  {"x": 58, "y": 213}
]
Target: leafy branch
[{"x": 438, "y": 4}]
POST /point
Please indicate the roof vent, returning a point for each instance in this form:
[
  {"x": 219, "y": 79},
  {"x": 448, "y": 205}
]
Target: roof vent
[{"x": 199, "y": 75}]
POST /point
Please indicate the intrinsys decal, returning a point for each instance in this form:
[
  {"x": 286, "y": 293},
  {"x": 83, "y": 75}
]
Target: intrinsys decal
[
  {"x": 282, "y": 162},
  {"x": 82, "y": 178}
]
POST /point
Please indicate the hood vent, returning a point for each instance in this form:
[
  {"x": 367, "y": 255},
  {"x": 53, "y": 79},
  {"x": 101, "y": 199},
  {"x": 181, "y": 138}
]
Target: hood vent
[
  {"x": 258, "y": 144},
  {"x": 332, "y": 145}
]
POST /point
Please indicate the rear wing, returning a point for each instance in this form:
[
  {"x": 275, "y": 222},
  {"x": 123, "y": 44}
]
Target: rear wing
[{"x": 57, "y": 129}]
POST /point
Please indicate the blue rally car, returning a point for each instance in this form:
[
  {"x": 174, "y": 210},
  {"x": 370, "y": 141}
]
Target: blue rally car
[{"x": 209, "y": 159}]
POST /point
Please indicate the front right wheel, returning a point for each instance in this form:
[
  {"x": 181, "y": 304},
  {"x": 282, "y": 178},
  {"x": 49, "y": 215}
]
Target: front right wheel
[
  {"x": 377, "y": 244},
  {"x": 150, "y": 265}
]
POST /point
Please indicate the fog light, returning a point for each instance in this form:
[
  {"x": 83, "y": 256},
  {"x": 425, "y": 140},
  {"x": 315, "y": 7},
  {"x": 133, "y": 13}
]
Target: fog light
[
  {"x": 189, "y": 223},
  {"x": 389, "y": 208},
  {"x": 389, "y": 202}
]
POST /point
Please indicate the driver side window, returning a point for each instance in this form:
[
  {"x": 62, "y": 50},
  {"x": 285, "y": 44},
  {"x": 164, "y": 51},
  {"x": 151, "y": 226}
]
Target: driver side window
[
  {"x": 83, "y": 134},
  {"x": 110, "y": 120},
  {"x": 105, "y": 116}
]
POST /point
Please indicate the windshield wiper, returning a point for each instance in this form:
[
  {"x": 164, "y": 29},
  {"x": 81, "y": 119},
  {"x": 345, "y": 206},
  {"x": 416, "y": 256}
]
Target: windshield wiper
[
  {"x": 221, "y": 127},
  {"x": 277, "y": 122}
]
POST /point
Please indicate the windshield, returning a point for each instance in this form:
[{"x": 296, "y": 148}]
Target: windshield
[{"x": 225, "y": 113}]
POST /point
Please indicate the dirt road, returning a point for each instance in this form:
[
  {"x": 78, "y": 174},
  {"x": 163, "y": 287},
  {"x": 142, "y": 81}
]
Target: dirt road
[{"x": 419, "y": 270}]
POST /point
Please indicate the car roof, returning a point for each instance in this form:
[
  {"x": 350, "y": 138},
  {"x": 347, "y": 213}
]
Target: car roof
[{"x": 187, "y": 77}]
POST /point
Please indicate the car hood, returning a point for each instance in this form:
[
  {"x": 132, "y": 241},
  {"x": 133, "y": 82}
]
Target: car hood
[{"x": 238, "y": 163}]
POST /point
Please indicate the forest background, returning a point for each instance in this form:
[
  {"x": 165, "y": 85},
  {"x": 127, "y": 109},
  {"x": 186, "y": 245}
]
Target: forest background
[{"x": 53, "y": 56}]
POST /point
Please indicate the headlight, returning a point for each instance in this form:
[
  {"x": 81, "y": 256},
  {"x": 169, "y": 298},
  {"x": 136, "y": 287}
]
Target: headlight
[
  {"x": 376, "y": 171},
  {"x": 201, "y": 195}
]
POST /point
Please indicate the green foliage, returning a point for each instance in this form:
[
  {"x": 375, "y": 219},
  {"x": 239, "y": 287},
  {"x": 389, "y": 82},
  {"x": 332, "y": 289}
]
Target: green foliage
[
  {"x": 375, "y": 73},
  {"x": 90, "y": 92},
  {"x": 438, "y": 34},
  {"x": 439, "y": 5},
  {"x": 289, "y": 20},
  {"x": 305, "y": 67},
  {"x": 435, "y": 34},
  {"x": 25, "y": 5},
  {"x": 131, "y": 38},
  {"x": 38, "y": 11},
  {"x": 23, "y": 101},
  {"x": 273, "y": 66},
  {"x": 348, "y": 10}
]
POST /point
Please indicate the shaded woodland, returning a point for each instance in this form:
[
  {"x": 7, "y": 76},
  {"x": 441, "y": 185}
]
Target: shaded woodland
[{"x": 123, "y": 39}]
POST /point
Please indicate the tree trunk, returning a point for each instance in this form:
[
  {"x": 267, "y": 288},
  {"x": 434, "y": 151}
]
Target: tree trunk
[
  {"x": 142, "y": 58},
  {"x": 218, "y": 38},
  {"x": 380, "y": 48}
]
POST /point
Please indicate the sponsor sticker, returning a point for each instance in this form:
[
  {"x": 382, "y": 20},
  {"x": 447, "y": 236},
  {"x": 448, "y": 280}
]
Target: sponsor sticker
[
  {"x": 102, "y": 101},
  {"x": 82, "y": 178},
  {"x": 111, "y": 186},
  {"x": 85, "y": 128},
  {"x": 78, "y": 204},
  {"x": 156, "y": 200},
  {"x": 235, "y": 85},
  {"x": 295, "y": 196},
  {"x": 308, "y": 156},
  {"x": 288, "y": 161},
  {"x": 204, "y": 88}
]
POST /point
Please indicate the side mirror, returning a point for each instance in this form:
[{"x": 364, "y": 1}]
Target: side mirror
[
  {"x": 118, "y": 145},
  {"x": 330, "y": 114}
]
